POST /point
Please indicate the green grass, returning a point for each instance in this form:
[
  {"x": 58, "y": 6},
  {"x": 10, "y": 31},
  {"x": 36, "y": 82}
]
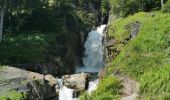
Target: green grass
[
  {"x": 12, "y": 95},
  {"x": 145, "y": 58},
  {"x": 108, "y": 89},
  {"x": 25, "y": 48}
]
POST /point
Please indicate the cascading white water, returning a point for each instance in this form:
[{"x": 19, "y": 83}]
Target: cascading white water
[
  {"x": 94, "y": 51},
  {"x": 92, "y": 85},
  {"x": 93, "y": 61},
  {"x": 65, "y": 93}
]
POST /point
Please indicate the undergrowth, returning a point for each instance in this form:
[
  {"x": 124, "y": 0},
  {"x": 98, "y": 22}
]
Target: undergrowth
[{"x": 24, "y": 48}]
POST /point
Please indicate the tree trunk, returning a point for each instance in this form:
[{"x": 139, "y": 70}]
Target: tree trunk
[
  {"x": 1, "y": 24},
  {"x": 2, "y": 19},
  {"x": 162, "y": 4}
]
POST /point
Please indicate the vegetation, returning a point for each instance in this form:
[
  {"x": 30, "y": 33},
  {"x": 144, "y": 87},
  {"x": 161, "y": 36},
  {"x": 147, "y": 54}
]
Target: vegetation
[
  {"x": 23, "y": 48},
  {"x": 108, "y": 89},
  {"x": 145, "y": 58},
  {"x": 166, "y": 7},
  {"x": 123, "y": 8},
  {"x": 31, "y": 27},
  {"x": 48, "y": 32},
  {"x": 12, "y": 95}
]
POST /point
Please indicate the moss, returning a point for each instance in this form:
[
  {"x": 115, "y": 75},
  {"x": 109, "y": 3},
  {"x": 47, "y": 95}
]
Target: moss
[{"x": 12, "y": 95}]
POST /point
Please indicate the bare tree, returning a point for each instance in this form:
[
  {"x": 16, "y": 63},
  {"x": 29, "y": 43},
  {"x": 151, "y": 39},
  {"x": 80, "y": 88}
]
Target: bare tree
[{"x": 2, "y": 13}]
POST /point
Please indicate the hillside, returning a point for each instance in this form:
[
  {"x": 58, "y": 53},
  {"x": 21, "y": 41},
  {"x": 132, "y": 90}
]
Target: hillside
[{"x": 144, "y": 58}]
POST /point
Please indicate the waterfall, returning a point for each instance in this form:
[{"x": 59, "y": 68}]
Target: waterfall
[
  {"x": 93, "y": 61},
  {"x": 94, "y": 51},
  {"x": 92, "y": 85},
  {"x": 65, "y": 93}
]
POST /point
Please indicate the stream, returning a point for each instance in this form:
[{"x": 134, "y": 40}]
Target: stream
[{"x": 93, "y": 62}]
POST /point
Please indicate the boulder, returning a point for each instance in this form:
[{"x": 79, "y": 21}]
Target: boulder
[
  {"x": 76, "y": 81},
  {"x": 30, "y": 83},
  {"x": 51, "y": 79}
]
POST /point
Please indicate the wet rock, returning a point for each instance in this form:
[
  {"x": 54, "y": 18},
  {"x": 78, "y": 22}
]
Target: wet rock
[
  {"x": 76, "y": 81},
  {"x": 57, "y": 89}
]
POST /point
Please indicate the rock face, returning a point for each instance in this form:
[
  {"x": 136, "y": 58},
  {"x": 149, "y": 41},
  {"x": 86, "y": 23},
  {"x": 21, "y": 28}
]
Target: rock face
[
  {"x": 35, "y": 86},
  {"x": 51, "y": 80},
  {"x": 76, "y": 81},
  {"x": 133, "y": 28}
]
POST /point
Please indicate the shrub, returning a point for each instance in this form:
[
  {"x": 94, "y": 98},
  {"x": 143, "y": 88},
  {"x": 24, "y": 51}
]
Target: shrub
[{"x": 166, "y": 7}]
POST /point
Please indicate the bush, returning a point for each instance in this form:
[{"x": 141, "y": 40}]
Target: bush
[
  {"x": 166, "y": 8},
  {"x": 24, "y": 48},
  {"x": 123, "y": 8}
]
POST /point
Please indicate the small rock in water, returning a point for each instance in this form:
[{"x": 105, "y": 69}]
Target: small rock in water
[
  {"x": 77, "y": 81},
  {"x": 52, "y": 80}
]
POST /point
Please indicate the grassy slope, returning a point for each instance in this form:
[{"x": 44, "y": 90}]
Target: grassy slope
[{"x": 145, "y": 58}]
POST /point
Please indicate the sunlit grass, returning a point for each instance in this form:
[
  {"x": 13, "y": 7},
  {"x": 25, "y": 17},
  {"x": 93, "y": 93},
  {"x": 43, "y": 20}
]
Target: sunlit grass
[
  {"x": 147, "y": 57},
  {"x": 12, "y": 95}
]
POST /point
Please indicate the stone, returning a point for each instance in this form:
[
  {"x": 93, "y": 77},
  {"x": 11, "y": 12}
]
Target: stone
[
  {"x": 57, "y": 88},
  {"x": 51, "y": 79},
  {"x": 31, "y": 83},
  {"x": 77, "y": 81}
]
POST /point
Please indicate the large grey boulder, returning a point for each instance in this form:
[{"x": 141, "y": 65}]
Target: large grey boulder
[
  {"x": 76, "y": 81},
  {"x": 36, "y": 86}
]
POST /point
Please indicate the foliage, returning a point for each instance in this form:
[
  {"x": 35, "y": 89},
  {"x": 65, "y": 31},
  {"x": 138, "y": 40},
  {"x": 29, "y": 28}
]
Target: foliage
[
  {"x": 145, "y": 58},
  {"x": 108, "y": 89},
  {"x": 123, "y": 8},
  {"x": 31, "y": 29},
  {"x": 12, "y": 95},
  {"x": 104, "y": 6},
  {"x": 24, "y": 48},
  {"x": 41, "y": 15},
  {"x": 166, "y": 7}
]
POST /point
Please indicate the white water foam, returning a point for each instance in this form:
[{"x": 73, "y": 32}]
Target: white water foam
[
  {"x": 65, "y": 93},
  {"x": 92, "y": 85},
  {"x": 94, "y": 51}
]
